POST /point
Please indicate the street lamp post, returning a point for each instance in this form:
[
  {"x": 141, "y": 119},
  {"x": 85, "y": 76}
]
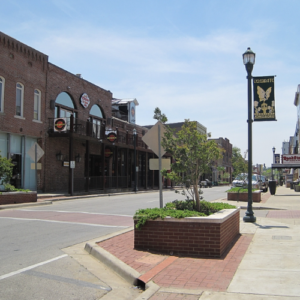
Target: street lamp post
[
  {"x": 273, "y": 161},
  {"x": 134, "y": 144},
  {"x": 249, "y": 60}
]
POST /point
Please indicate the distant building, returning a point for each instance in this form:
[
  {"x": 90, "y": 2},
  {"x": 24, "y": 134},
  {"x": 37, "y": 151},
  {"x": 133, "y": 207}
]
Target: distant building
[
  {"x": 124, "y": 109},
  {"x": 225, "y": 161}
]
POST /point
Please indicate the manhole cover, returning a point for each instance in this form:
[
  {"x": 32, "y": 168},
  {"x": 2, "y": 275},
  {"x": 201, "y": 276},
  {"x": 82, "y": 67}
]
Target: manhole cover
[{"x": 281, "y": 237}]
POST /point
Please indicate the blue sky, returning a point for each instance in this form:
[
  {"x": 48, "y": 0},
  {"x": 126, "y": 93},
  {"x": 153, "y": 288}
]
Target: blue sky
[{"x": 184, "y": 57}]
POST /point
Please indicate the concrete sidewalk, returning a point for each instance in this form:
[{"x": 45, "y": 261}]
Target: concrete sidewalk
[{"x": 264, "y": 263}]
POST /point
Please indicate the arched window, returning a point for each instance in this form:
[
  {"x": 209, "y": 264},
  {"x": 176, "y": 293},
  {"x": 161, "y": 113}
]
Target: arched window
[
  {"x": 64, "y": 106},
  {"x": 96, "y": 117},
  {"x": 19, "y": 99},
  {"x": 96, "y": 111},
  {"x": 37, "y": 105},
  {"x": 2, "y": 81}
]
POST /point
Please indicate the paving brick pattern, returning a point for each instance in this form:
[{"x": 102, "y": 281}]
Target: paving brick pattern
[
  {"x": 121, "y": 247},
  {"x": 265, "y": 197},
  {"x": 187, "y": 273},
  {"x": 210, "y": 274},
  {"x": 284, "y": 214}
]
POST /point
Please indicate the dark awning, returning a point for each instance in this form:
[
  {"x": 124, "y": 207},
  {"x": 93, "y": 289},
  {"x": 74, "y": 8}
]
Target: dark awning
[{"x": 285, "y": 166}]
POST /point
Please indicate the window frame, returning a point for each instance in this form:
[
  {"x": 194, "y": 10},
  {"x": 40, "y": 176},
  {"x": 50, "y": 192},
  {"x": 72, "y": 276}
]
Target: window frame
[
  {"x": 38, "y": 101},
  {"x": 21, "y": 88},
  {"x": 2, "y": 82}
]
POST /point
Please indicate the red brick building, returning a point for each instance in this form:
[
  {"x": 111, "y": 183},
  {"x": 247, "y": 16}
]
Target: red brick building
[{"x": 85, "y": 147}]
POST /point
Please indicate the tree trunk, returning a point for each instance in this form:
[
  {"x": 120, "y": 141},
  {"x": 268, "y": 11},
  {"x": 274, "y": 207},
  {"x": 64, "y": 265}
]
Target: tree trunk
[{"x": 197, "y": 197}]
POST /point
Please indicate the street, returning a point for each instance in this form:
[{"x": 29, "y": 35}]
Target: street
[{"x": 35, "y": 263}]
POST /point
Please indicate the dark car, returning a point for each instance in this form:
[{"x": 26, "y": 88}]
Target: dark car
[
  {"x": 206, "y": 183},
  {"x": 263, "y": 183}
]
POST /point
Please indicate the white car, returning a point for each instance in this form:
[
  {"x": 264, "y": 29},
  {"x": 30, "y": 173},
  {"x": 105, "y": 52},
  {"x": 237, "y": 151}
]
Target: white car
[{"x": 242, "y": 180}]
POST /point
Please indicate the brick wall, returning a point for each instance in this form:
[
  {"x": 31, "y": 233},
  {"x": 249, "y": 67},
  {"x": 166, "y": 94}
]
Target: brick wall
[
  {"x": 256, "y": 196},
  {"x": 191, "y": 238},
  {"x": 17, "y": 197}
]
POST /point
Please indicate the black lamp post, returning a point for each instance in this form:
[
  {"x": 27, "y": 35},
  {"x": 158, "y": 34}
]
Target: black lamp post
[
  {"x": 249, "y": 60},
  {"x": 134, "y": 143},
  {"x": 273, "y": 161}
]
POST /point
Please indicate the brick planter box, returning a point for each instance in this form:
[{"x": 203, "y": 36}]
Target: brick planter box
[
  {"x": 17, "y": 197},
  {"x": 256, "y": 196},
  {"x": 195, "y": 237}
]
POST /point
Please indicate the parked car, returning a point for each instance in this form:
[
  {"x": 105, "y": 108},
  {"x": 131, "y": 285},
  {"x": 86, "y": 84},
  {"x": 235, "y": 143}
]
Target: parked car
[
  {"x": 205, "y": 183},
  {"x": 258, "y": 181}
]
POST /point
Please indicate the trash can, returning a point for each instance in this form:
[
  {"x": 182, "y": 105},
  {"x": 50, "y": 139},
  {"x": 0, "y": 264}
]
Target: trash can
[
  {"x": 272, "y": 187},
  {"x": 291, "y": 185}
]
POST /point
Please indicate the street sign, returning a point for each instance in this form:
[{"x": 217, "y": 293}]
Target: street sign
[
  {"x": 39, "y": 152},
  {"x": 154, "y": 163},
  {"x": 72, "y": 164},
  {"x": 151, "y": 138}
]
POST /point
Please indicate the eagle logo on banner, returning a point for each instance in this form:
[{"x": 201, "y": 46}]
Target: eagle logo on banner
[{"x": 263, "y": 95}]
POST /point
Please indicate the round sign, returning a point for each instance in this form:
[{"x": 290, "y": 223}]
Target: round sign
[
  {"x": 85, "y": 100},
  {"x": 60, "y": 124},
  {"x": 132, "y": 111},
  {"x": 108, "y": 152},
  {"x": 112, "y": 137}
]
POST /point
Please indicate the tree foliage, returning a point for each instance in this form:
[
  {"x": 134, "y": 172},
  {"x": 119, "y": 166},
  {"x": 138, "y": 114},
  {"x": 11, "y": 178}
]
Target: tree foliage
[
  {"x": 159, "y": 116},
  {"x": 238, "y": 162},
  {"x": 5, "y": 169},
  {"x": 193, "y": 155}
]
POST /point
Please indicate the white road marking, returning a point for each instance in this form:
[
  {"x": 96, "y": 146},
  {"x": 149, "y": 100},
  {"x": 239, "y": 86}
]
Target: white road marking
[
  {"x": 32, "y": 267},
  {"x": 80, "y": 212},
  {"x": 64, "y": 222}
]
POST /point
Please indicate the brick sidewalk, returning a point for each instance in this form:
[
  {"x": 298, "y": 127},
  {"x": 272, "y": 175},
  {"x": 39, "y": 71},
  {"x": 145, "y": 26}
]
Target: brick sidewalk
[{"x": 181, "y": 272}]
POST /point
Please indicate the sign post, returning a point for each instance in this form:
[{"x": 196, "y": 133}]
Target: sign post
[{"x": 153, "y": 139}]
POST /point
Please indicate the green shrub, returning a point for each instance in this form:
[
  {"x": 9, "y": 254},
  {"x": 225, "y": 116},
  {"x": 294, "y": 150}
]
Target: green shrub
[
  {"x": 239, "y": 190},
  {"x": 181, "y": 205},
  {"x": 178, "y": 209},
  {"x": 10, "y": 188}
]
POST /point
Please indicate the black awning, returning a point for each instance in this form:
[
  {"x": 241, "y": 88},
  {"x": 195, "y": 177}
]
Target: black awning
[{"x": 285, "y": 166}]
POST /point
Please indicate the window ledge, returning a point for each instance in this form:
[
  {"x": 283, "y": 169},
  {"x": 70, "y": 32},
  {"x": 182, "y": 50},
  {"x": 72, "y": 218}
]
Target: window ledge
[
  {"x": 37, "y": 121},
  {"x": 19, "y": 117}
]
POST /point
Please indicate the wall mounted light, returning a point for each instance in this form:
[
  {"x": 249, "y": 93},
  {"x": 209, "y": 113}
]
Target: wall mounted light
[
  {"x": 78, "y": 158},
  {"x": 59, "y": 156}
]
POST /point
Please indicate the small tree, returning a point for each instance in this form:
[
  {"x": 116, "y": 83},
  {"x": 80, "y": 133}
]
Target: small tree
[
  {"x": 159, "y": 116},
  {"x": 238, "y": 162},
  {"x": 5, "y": 169},
  {"x": 226, "y": 175},
  {"x": 193, "y": 155}
]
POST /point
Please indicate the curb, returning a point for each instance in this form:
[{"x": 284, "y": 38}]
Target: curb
[
  {"x": 125, "y": 271},
  {"x": 11, "y": 206}
]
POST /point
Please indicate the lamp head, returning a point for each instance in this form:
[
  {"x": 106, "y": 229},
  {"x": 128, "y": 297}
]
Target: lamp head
[{"x": 249, "y": 57}]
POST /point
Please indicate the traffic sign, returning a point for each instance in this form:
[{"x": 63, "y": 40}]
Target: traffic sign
[
  {"x": 39, "y": 152},
  {"x": 151, "y": 138}
]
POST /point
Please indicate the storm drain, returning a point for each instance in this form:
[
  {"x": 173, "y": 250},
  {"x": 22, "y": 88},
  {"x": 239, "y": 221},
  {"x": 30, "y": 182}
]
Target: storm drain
[{"x": 281, "y": 237}]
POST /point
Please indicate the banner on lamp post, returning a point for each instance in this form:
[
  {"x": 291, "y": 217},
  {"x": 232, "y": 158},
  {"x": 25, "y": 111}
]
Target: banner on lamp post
[{"x": 264, "y": 98}]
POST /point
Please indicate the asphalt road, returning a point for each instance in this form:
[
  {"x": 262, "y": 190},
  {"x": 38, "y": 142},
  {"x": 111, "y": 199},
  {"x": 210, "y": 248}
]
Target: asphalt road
[{"x": 34, "y": 262}]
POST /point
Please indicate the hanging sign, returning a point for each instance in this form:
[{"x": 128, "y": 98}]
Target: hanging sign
[
  {"x": 108, "y": 152},
  {"x": 112, "y": 137},
  {"x": 131, "y": 112},
  {"x": 60, "y": 124},
  {"x": 85, "y": 100},
  {"x": 264, "y": 98}
]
